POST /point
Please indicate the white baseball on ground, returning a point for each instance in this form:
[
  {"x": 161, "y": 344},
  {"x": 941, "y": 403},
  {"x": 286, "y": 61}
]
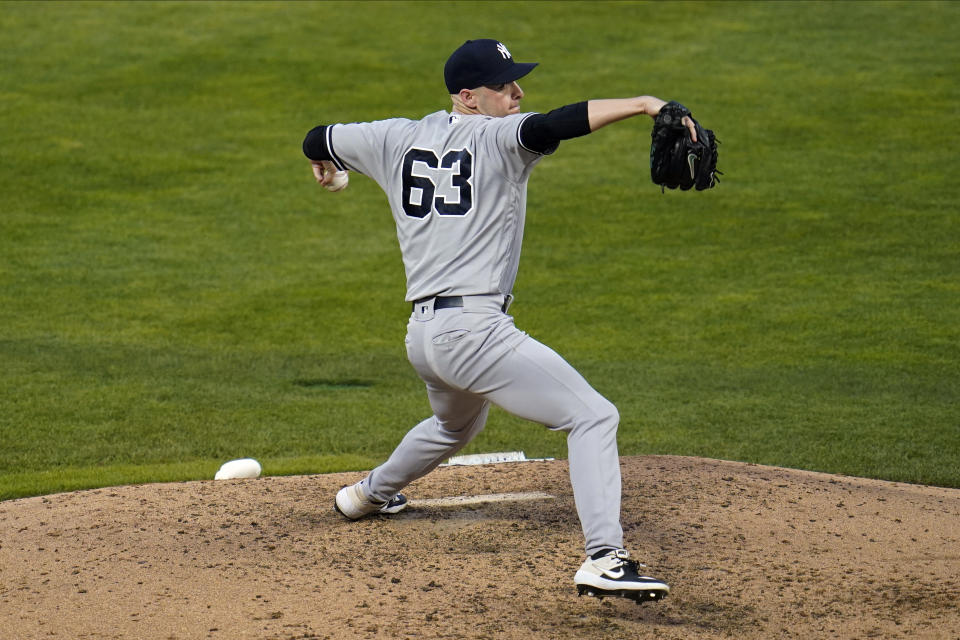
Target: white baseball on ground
[{"x": 243, "y": 468}]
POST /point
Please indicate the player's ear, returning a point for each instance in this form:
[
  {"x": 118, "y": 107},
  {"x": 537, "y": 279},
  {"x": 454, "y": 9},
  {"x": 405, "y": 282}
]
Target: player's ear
[{"x": 469, "y": 98}]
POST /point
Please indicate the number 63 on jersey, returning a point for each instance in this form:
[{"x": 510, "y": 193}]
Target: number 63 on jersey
[{"x": 441, "y": 185}]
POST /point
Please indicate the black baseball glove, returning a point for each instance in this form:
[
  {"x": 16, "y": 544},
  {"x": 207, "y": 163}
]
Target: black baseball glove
[{"x": 675, "y": 159}]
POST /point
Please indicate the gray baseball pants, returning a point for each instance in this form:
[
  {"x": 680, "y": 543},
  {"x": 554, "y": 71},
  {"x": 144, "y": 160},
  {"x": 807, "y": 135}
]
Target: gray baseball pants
[{"x": 472, "y": 356}]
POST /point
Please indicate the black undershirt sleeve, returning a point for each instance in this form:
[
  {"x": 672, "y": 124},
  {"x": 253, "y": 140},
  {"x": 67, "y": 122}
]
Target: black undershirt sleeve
[
  {"x": 542, "y": 132},
  {"x": 315, "y": 144}
]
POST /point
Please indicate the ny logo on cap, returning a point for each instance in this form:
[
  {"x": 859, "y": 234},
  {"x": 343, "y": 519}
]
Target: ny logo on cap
[{"x": 503, "y": 51}]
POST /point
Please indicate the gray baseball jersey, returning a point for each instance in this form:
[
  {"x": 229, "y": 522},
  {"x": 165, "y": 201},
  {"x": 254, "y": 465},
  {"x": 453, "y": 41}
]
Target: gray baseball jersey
[{"x": 457, "y": 186}]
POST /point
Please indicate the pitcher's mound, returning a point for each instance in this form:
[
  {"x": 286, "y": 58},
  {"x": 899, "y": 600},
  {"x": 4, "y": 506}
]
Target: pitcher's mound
[{"x": 485, "y": 552}]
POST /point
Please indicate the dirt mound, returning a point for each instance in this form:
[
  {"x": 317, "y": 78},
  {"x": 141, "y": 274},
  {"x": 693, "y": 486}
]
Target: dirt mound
[{"x": 750, "y": 552}]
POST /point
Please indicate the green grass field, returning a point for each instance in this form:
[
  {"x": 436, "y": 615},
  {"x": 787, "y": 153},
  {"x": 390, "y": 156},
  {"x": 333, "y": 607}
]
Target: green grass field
[{"x": 176, "y": 291}]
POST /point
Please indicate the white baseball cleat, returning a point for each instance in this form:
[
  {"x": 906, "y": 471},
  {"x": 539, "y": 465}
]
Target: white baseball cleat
[
  {"x": 353, "y": 503},
  {"x": 615, "y": 574}
]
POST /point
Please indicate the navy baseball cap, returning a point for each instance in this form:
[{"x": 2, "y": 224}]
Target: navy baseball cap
[{"x": 479, "y": 63}]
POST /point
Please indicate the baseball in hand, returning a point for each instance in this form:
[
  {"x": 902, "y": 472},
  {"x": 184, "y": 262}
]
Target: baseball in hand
[{"x": 339, "y": 182}]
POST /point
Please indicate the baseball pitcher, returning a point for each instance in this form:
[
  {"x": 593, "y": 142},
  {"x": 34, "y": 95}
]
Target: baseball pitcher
[{"x": 456, "y": 182}]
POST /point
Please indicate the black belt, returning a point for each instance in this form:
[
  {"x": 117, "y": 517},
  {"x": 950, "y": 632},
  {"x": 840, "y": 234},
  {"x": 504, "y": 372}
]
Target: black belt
[
  {"x": 440, "y": 302},
  {"x": 449, "y": 302}
]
